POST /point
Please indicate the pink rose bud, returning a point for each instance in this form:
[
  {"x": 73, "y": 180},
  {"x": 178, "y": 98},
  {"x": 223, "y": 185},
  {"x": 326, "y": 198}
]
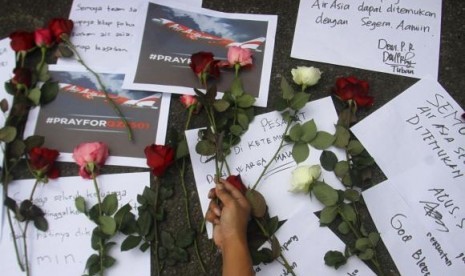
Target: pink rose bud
[
  {"x": 238, "y": 55},
  {"x": 89, "y": 157},
  {"x": 43, "y": 38},
  {"x": 188, "y": 101}
]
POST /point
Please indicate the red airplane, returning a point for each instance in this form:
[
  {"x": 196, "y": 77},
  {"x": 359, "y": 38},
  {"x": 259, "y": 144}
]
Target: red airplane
[{"x": 197, "y": 35}]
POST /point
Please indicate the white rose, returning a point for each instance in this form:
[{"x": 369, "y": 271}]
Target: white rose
[
  {"x": 303, "y": 177},
  {"x": 306, "y": 76}
]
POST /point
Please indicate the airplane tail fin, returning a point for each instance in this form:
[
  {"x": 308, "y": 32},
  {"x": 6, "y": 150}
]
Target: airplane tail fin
[{"x": 250, "y": 44}]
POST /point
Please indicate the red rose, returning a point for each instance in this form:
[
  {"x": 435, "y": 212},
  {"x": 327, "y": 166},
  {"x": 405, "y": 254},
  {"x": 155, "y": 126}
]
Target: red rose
[
  {"x": 22, "y": 41},
  {"x": 43, "y": 38},
  {"x": 60, "y": 27},
  {"x": 236, "y": 181},
  {"x": 351, "y": 88},
  {"x": 89, "y": 157},
  {"x": 188, "y": 101},
  {"x": 159, "y": 158},
  {"x": 22, "y": 76},
  {"x": 203, "y": 63},
  {"x": 42, "y": 161}
]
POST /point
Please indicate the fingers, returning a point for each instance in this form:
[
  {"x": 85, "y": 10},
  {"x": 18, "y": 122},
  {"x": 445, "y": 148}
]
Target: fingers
[
  {"x": 223, "y": 194},
  {"x": 235, "y": 193},
  {"x": 214, "y": 212}
]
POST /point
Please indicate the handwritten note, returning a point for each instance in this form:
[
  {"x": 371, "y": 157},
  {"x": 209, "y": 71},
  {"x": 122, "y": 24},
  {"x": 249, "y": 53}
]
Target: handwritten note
[
  {"x": 304, "y": 244},
  {"x": 421, "y": 125},
  {"x": 400, "y": 37},
  {"x": 66, "y": 245},
  {"x": 421, "y": 217},
  {"x": 256, "y": 148}
]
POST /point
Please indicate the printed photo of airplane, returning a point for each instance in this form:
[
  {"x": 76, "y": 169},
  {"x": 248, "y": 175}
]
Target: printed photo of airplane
[{"x": 192, "y": 34}]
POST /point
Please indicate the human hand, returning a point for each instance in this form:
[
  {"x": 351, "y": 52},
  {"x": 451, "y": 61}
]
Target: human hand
[{"x": 229, "y": 216}]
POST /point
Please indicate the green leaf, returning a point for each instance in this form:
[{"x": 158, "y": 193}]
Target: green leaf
[
  {"x": 288, "y": 92},
  {"x": 300, "y": 152},
  {"x": 110, "y": 204},
  {"x": 17, "y": 148},
  {"x": 323, "y": 140},
  {"x": 4, "y": 106},
  {"x": 34, "y": 141},
  {"x": 92, "y": 260},
  {"x": 335, "y": 259},
  {"x": 108, "y": 261},
  {"x": 107, "y": 225},
  {"x": 275, "y": 247},
  {"x": 295, "y": 132},
  {"x": 221, "y": 105},
  {"x": 280, "y": 104},
  {"x": 257, "y": 202},
  {"x": 7, "y": 134},
  {"x": 351, "y": 195},
  {"x": 299, "y": 100},
  {"x": 205, "y": 148},
  {"x": 325, "y": 193},
  {"x": 341, "y": 168},
  {"x": 121, "y": 214},
  {"x": 342, "y": 137},
  {"x": 328, "y": 160},
  {"x": 166, "y": 192},
  {"x": 367, "y": 254},
  {"x": 243, "y": 120},
  {"x": 328, "y": 214},
  {"x": 343, "y": 228},
  {"x": 167, "y": 240},
  {"x": 34, "y": 95},
  {"x": 185, "y": 238},
  {"x": 236, "y": 87},
  {"x": 309, "y": 131},
  {"x": 348, "y": 212},
  {"x": 374, "y": 238},
  {"x": 80, "y": 204},
  {"x": 10, "y": 88},
  {"x": 355, "y": 147},
  {"x": 182, "y": 150},
  {"x": 145, "y": 222},
  {"x": 162, "y": 252},
  {"x": 245, "y": 101},
  {"x": 41, "y": 223},
  {"x": 236, "y": 130},
  {"x": 130, "y": 242},
  {"x": 362, "y": 244},
  {"x": 49, "y": 92}
]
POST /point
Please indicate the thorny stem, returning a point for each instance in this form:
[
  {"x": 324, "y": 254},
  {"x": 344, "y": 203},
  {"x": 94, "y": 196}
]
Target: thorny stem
[
  {"x": 273, "y": 158},
  {"x": 102, "y": 87},
  {"x": 155, "y": 224}
]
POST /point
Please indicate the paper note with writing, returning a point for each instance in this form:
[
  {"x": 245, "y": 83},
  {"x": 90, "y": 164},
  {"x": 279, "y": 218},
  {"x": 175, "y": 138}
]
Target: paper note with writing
[
  {"x": 400, "y": 37},
  {"x": 256, "y": 148},
  {"x": 65, "y": 247},
  {"x": 421, "y": 125},
  {"x": 304, "y": 244},
  {"x": 420, "y": 215},
  {"x": 172, "y": 32},
  {"x": 81, "y": 113}
]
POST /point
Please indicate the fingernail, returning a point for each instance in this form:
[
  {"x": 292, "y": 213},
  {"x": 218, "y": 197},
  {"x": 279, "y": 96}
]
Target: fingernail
[{"x": 217, "y": 211}]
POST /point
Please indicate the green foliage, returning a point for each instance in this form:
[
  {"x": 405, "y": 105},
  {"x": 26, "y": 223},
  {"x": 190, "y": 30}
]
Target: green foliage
[
  {"x": 325, "y": 193},
  {"x": 335, "y": 259},
  {"x": 328, "y": 160}
]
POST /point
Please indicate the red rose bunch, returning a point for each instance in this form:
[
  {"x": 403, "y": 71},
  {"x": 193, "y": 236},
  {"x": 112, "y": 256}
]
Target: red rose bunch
[
  {"x": 159, "y": 158},
  {"x": 43, "y": 38},
  {"x": 42, "y": 162},
  {"x": 90, "y": 157},
  {"x": 204, "y": 65},
  {"x": 236, "y": 181},
  {"x": 351, "y": 88},
  {"x": 22, "y": 41}
]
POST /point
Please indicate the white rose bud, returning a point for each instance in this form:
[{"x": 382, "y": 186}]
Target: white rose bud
[
  {"x": 303, "y": 177},
  {"x": 306, "y": 76}
]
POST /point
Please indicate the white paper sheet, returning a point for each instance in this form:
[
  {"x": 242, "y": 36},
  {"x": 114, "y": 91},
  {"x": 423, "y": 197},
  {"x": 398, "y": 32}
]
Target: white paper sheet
[
  {"x": 421, "y": 125},
  {"x": 304, "y": 244},
  {"x": 65, "y": 247},
  {"x": 172, "y": 32},
  {"x": 420, "y": 215},
  {"x": 80, "y": 112},
  {"x": 257, "y": 147},
  {"x": 400, "y": 37},
  {"x": 104, "y": 31}
]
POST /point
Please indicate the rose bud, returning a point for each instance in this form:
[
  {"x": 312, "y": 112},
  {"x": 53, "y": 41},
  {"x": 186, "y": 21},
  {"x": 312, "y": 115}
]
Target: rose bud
[
  {"x": 188, "y": 101},
  {"x": 236, "y": 181},
  {"x": 159, "y": 158},
  {"x": 351, "y": 88},
  {"x": 306, "y": 76}
]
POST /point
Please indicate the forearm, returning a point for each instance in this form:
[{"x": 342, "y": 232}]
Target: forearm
[{"x": 236, "y": 259}]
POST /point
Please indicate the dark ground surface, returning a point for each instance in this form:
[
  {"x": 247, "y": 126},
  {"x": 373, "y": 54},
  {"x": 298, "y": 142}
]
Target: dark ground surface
[{"x": 29, "y": 14}]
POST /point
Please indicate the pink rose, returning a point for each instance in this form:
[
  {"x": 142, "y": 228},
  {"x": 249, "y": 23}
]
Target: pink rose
[
  {"x": 188, "y": 101},
  {"x": 238, "y": 55},
  {"x": 43, "y": 38},
  {"x": 89, "y": 157}
]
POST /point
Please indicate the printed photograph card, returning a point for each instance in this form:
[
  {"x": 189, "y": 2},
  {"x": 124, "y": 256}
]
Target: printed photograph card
[
  {"x": 81, "y": 113},
  {"x": 400, "y": 37},
  {"x": 65, "y": 247},
  {"x": 173, "y": 32}
]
